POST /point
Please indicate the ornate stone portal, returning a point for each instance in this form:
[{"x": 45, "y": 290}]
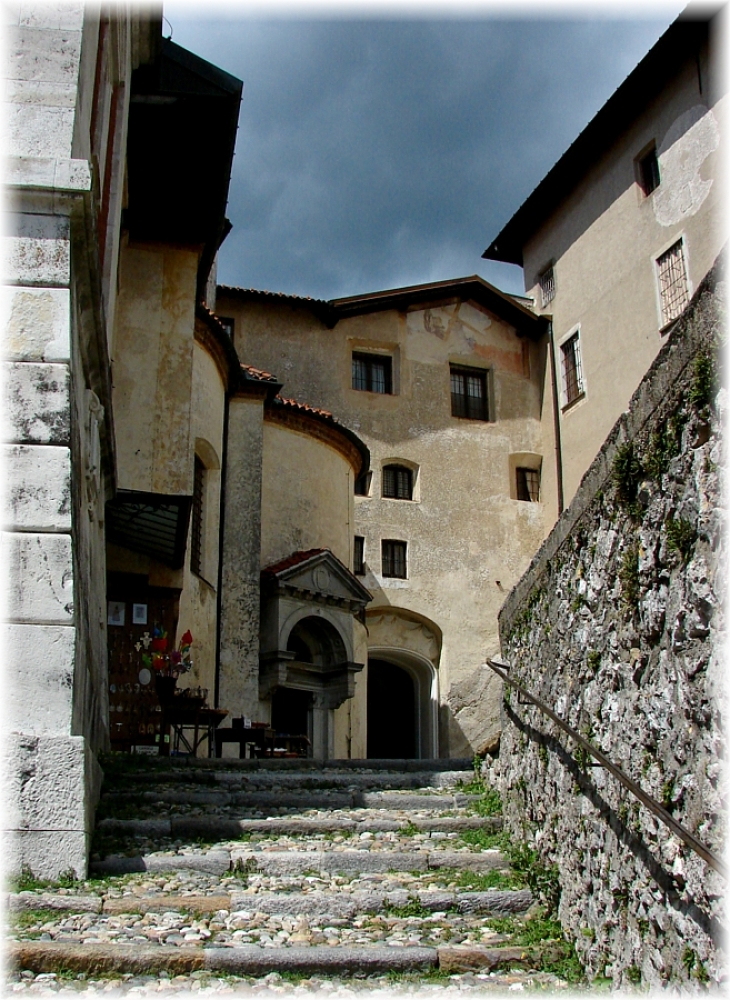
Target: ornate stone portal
[{"x": 308, "y": 603}]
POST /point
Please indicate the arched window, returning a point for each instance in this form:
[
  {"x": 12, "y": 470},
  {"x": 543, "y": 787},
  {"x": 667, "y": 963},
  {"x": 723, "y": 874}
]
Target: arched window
[
  {"x": 197, "y": 516},
  {"x": 397, "y": 482}
]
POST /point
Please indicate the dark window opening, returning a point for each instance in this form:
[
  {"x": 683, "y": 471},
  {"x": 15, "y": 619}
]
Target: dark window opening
[
  {"x": 228, "y": 324},
  {"x": 649, "y": 177},
  {"x": 547, "y": 286},
  {"x": 196, "y": 528},
  {"x": 362, "y": 484},
  {"x": 528, "y": 485},
  {"x": 469, "y": 393},
  {"x": 394, "y": 559},
  {"x": 358, "y": 559},
  {"x": 397, "y": 482},
  {"x": 372, "y": 373},
  {"x": 391, "y": 712}
]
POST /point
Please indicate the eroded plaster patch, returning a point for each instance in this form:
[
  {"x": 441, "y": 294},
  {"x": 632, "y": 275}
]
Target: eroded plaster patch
[{"x": 683, "y": 150}]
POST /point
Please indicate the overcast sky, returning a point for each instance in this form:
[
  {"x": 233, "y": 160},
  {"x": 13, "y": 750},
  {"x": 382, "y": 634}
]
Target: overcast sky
[{"x": 374, "y": 153}]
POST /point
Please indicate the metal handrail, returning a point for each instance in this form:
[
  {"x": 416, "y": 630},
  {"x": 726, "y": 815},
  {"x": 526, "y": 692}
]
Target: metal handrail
[{"x": 501, "y": 668}]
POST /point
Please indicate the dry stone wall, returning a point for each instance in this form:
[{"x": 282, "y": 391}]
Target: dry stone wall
[{"x": 618, "y": 627}]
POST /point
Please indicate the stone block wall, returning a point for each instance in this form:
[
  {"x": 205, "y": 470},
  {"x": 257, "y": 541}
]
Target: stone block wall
[{"x": 618, "y": 627}]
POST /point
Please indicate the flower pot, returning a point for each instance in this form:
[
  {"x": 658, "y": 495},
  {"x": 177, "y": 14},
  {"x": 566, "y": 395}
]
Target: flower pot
[{"x": 165, "y": 687}]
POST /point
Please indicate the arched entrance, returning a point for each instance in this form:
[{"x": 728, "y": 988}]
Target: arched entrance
[
  {"x": 392, "y": 723},
  {"x": 402, "y": 705}
]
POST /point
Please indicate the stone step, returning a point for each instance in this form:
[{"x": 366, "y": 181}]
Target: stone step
[
  {"x": 219, "y": 828},
  {"x": 332, "y": 905},
  {"x": 123, "y": 800},
  {"x": 262, "y": 780},
  {"x": 131, "y": 764},
  {"x": 219, "y": 861}
]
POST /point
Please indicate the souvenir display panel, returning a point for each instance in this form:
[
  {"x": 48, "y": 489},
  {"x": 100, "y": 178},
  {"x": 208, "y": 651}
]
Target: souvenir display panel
[{"x": 135, "y": 715}]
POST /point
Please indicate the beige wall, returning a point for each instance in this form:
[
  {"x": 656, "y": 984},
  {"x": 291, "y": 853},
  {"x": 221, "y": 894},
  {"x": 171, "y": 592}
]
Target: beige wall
[
  {"x": 604, "y": 241},
  {"x": 306, "y": 497},
  {"x": 468, "y": 540}
]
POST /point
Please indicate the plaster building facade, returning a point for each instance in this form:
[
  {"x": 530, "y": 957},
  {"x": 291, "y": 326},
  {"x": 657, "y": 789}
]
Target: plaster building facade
[
  {"x": 619, "y": 234},
  {"x": 443, "y": 384}
]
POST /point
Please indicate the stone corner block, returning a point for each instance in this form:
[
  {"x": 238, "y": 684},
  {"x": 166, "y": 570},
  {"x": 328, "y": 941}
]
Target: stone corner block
[{"x": 38, "y": 580}]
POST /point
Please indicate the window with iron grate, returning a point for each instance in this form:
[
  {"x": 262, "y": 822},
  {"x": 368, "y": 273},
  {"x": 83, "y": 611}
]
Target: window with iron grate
[
  {"x": 372, "y": 373},
  {"x": 394, "y": 558},
  {"x": 673, "y": 285},
  {"x": 573, "y": 385},
  {"x": 648, "y": 169},
  {"x": 469, "y": 393},
  {"x": 196, "y": 527},
  {"x": 547, "y": 286},
  {"x": 397, "y": 482}
]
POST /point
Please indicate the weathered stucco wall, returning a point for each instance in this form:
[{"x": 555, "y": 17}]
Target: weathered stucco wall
[
  {"x": 618, "y": 627},
  {"x": 603, "y": 242}
]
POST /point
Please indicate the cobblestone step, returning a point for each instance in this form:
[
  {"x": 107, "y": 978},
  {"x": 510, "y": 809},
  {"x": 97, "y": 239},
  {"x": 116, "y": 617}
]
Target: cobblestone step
[{"x": 114, "y": 802}]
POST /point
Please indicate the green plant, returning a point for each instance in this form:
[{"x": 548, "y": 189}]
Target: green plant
[
  {"x": 484, "y": 840},
  {"x": 626, "y": 476},
  {"x": 667, "y": 793},
  {"x": 503, "y": 925},
  {"x": 628, "y": 575},
  {"x": 489, "y": 803},
  {"x": 581, "y": 757},
  {"x": 542, "y": 880},
  {"x": 681, "y": 536},
  {"x": 28, "y": 918},
  {"x": 413, "y": 908},
  {"x": 704, "y": 380},
  {"x": 25, "y": 881},
  {"x": 409, "y": 829},
  {"x": 542, "y": 753},
  {"x": 663, "y": 447},
  {"x": 633, "y": 974},
  {"x": 593, "y": 661}
]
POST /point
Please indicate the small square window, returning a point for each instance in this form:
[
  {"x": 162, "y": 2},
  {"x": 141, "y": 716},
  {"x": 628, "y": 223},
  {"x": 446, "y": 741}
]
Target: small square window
[
  {"x": 394, "y": 558},
  {"x": 547, "y": 286},
  {"x": 397, "y": 482},
  {"x": 358, "y": 561},
  {"x": 372, "y": 373},
  {"x": 469, "y": 393},
  {"x": 228, "y": 324},
  {"x": 573, "y": 386},
  {"x": 648, "y": 169},
  {"x": 528, "y": 485},
  {"x": 673, "y": 286}
]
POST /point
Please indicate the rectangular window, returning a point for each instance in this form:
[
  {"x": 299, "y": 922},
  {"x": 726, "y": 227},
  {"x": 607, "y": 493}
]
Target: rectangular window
[
  {"x": 648, "y": 167},
  {"x": 528, "y": 485},
  {"x": 573, "y": 387},
  {"x": 362, "y": 485},
  {"x": 372, "y": 373},
  {"x": 196, "y": 527},
  {"x": 469, "y": 393},
  {"x": 358, "y": 561},
  {"x": 547, "y": 286},
  {"x": 228, "y": 324},
  {"x": 397, "y": 482},
  {"x": 394, "y": 559},
  {"x": 672, "y": 282}
]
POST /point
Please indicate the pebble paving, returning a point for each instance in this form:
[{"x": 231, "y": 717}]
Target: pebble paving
[{"x": 261, "y": 890}]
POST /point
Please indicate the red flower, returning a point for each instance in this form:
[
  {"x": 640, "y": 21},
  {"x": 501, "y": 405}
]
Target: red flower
[
  {"x": 159, "y": 645},
  {"x": 186, "y": 639}
]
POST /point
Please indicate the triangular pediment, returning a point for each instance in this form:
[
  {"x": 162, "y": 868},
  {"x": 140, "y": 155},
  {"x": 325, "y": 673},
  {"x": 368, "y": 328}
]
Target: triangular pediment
[{"x": 319, "y": 573}]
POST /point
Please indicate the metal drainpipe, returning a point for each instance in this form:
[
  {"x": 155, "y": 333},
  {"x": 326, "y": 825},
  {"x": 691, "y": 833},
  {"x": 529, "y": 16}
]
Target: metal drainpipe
[
  {"x": 556, "y": 419},
  {"x": 221, "y": 526}
]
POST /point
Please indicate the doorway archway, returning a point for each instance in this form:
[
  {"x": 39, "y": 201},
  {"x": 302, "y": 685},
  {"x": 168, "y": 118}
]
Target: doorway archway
[{"x": 402, "y": 698}]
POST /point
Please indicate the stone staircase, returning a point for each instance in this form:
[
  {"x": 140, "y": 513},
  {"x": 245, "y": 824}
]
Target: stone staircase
[{"x": 372, "y": 873}]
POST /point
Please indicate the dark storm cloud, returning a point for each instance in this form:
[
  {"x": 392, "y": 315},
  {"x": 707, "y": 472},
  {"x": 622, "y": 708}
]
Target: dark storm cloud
[{"x": 377, "y": 153}]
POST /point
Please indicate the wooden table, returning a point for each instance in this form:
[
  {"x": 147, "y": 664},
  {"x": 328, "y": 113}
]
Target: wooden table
[{"x": 203, "y": 721}]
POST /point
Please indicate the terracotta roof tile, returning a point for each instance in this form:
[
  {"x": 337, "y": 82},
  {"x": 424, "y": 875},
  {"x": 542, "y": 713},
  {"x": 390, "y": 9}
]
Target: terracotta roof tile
[
  {"x": 293, "y": 404},
  {"x": 263, "y": 293},
  {"x": 258, "y": 374},
  {"x": 293, "y": 560}
]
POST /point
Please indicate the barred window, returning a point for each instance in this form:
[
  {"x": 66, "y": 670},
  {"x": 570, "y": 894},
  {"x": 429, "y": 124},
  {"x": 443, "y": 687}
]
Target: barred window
[
  {"x": 528, "y": 484},
  {"x": 547, "y": 286},
  {"x": 573, "y": 386},
  {"x": 397, "y": 482},
  {"x": 469, "y": 393},
  {"x": 372, "y": 373},
  {"x": 196, "y": 527},
  {"x": 358, "y": 561},
  {"x": 672, "y": 282},
  {"x": 394, "y": 558}
]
